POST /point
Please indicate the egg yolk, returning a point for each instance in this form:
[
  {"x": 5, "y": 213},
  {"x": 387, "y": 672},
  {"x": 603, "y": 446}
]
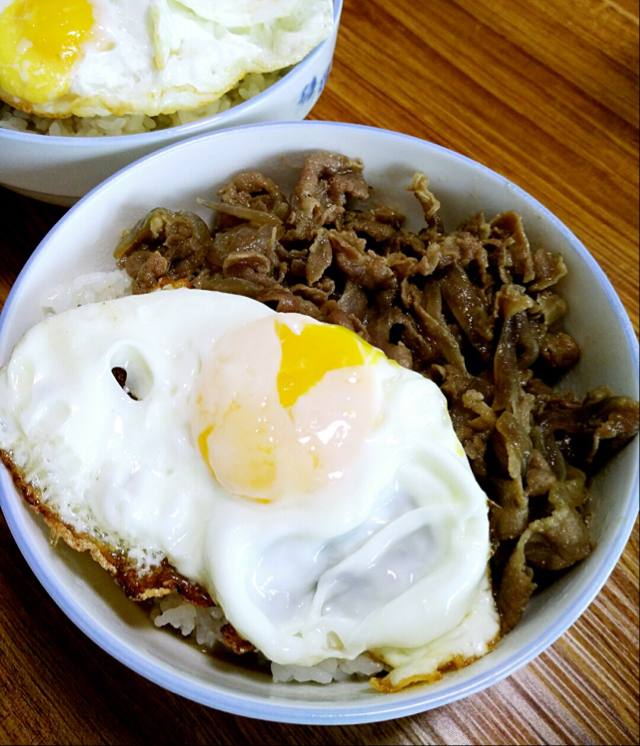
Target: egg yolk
[
  {"x": 285, "y": 428},
  {"x": 307, "y": 357},
  {"x": 40, "y": 42}
]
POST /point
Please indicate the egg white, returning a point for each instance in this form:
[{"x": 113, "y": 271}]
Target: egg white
[
  {"x": 390, "y": 557},
  {"x": 241, "y": 13}
]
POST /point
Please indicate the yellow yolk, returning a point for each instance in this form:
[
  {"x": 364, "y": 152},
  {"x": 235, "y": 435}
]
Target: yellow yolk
[
  {"x": 283, "y": 428},
  {"x": 260, "y": 472},
  {"x": 40, "y": 42},
  {"x": 307, "y": 357}
]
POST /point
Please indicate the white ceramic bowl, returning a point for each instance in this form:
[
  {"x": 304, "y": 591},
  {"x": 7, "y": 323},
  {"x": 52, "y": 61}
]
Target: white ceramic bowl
[
  {"x": 83, "y": 241},
  {"x": 61, "y": 170}
]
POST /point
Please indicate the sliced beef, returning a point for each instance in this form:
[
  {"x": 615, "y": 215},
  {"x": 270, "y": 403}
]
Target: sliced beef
[{"x": 474, "y": 309}]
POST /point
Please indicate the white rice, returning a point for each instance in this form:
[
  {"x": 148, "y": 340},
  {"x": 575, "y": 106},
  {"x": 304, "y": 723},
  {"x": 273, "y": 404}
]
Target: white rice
[
  {"x": 203, "y": 626},
  {"x": 92, "y": 288},
  {"x": 250, "y": 86}
]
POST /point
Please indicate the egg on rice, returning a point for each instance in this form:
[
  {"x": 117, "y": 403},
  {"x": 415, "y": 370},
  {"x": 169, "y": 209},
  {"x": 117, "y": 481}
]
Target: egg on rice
[{"x": 99, "y": 58}]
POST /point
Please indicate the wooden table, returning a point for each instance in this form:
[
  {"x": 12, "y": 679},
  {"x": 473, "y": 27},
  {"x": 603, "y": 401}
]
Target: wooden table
[{"x": 544, "y": 92}]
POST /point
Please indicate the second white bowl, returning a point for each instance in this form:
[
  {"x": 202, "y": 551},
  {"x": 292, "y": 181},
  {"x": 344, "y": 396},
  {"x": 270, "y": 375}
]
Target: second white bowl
[{"x": 61, "y": 170}]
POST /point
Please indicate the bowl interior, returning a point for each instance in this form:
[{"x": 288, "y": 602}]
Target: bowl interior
[{"x": 84, "y": 241}]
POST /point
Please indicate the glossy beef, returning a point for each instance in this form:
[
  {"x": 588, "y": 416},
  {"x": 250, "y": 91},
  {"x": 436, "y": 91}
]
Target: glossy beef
[{"x": 474, "y": 309}]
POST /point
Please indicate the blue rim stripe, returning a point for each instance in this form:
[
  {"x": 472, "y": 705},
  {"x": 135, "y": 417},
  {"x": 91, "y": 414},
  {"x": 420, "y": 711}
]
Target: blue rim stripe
[{"x": 337, "y": 713}]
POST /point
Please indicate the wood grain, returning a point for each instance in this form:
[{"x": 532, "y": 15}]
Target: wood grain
[{"x": 544, "y": 92}]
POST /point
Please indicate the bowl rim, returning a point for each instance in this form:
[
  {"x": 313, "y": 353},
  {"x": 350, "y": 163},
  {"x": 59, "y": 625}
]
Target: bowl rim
[
  {"x": 334, "y": 713},
  {"x": 181, "y": 130}
]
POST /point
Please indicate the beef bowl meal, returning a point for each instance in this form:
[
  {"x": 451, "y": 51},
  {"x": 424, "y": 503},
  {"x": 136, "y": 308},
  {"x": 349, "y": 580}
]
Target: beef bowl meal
[
  {"x": 324, "y": 431},
  {"x": 88, "y": 86}
]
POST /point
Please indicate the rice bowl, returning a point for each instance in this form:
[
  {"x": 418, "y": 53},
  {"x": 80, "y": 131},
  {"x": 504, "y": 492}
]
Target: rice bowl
[
  {"x": 61, "y": 169},
  {"x": 390, "y": 156}
]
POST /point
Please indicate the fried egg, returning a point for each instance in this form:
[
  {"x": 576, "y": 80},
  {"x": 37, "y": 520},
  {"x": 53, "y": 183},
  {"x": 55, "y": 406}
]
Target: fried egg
[
  {"x": 98, "y": 57},
  {"x": 314, "y": 487}
]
